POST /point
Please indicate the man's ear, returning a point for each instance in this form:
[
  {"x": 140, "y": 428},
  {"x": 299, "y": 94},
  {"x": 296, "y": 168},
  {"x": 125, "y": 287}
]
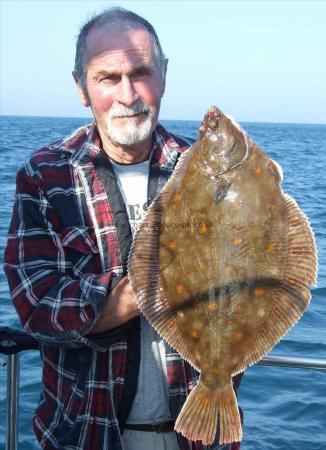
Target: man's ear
[
  {"x": 164, "y": 75},
  {"x": 82, "y": 94}
]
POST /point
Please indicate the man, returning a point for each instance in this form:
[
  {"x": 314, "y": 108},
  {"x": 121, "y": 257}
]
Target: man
[{"x": 109, "y": 381}]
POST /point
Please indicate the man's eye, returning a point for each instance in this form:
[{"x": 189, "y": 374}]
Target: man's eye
[
  {"x": 139, "y": 77},
  {"x": 141, "y": 74},
  {"x": 110, "y": 78}
]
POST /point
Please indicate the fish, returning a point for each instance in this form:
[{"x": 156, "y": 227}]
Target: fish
[{"x": 221, "y": 266}]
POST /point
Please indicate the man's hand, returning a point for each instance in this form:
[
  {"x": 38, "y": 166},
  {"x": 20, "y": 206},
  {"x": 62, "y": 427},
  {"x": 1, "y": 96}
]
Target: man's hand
[{"x": 120, "y": 306}]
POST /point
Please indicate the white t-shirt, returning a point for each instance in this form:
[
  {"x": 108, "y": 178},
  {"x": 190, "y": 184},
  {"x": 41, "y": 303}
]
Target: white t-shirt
[
  {"x": 133, "y": 183},
  {"x": 151, "y": 403}
]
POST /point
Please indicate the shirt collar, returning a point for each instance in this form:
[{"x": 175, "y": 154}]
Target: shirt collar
[{"x": 85, "y": 143}]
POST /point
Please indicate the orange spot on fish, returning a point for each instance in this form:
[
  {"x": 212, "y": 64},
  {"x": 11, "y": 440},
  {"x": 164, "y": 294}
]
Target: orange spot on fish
[
  {"x": 237, "y": 242},
  {"x": 202, "y": 265},
  {"x": 215, "y": 370},
  {"x": 238, "y": 336},
  {"x": 258, "y": 171},
  {"x": 194, "y": 333},
  {"x": 172, "y": 245},
  {"x": 180, "y": 288},
  {"x": 272, "y": 247},
  {"x": 213, "y": 306},
  {"x": 202, "y": 228},
  {"x": 258, "y": 292},
  {"x": 146, "y": 257},
  {"x": 177, "y": 197},
  {"x": 170, "y": 322},
  {"x": 297, "y": 250},
  {"x": 290, "y": 281},
  {"x": 205, "y": 401}
]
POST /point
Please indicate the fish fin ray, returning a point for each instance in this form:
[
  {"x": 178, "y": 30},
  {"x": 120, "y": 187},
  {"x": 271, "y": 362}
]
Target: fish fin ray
[{"x": 300, "y": 232}]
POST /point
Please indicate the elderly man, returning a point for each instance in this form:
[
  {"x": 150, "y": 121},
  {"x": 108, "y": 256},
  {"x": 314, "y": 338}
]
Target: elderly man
[{"x": 109, "y": 381}]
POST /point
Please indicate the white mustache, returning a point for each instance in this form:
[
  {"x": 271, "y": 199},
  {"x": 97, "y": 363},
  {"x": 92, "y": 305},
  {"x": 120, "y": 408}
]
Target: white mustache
[{"x": 126, "y": 111}]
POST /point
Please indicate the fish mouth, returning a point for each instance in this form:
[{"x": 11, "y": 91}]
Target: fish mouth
[{"x": 211, "y": 120}]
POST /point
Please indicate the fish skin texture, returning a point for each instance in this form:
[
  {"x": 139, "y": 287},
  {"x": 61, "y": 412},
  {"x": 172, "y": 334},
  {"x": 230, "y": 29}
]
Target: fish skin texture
[{"x": 221, "y": 267}]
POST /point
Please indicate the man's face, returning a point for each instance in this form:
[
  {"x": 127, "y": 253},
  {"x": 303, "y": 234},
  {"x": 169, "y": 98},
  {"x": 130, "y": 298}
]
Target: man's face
[{"x": 124, "y": 85}]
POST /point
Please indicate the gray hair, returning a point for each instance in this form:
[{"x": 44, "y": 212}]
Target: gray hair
[{"x": 114, "y": 19}]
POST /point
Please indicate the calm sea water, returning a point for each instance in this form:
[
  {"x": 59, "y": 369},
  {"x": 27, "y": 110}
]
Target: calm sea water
[{"x": 284, "y": 409}]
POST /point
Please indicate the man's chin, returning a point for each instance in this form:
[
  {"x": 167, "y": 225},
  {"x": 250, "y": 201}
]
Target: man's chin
[{"x": 129, "y": 138}]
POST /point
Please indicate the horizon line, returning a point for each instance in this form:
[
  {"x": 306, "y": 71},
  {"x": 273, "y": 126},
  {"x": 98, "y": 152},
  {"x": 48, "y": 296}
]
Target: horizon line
[{"x": 160, "y": 119}]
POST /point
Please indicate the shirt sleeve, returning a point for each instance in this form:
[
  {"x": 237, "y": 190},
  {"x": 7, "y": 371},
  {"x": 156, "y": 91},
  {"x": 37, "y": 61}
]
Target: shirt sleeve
[{"x": 56, "y": 304}]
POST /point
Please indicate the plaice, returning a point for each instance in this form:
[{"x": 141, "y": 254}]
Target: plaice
[{"x": 221, "y": 266}]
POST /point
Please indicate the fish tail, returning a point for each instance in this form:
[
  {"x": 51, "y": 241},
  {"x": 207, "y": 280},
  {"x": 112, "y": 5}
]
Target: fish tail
[{"x": 199, "y": 417}]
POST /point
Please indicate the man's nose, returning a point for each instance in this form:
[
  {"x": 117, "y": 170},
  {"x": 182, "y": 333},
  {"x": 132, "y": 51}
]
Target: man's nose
[{"x": 128, "y": 94}]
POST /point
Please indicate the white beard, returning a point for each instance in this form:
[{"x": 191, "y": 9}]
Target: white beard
[{"x": 130, "y": 134}]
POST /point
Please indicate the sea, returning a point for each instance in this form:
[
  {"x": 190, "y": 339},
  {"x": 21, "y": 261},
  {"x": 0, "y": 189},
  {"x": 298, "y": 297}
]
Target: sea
[{"x": 284, "y": 408}]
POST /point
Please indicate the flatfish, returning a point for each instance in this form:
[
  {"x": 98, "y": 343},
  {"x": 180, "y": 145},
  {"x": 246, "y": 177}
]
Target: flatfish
[{"x": 221, "y": 266}]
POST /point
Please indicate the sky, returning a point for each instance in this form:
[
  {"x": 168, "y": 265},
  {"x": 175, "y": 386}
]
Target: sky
[{"x": 261, "y": 61}]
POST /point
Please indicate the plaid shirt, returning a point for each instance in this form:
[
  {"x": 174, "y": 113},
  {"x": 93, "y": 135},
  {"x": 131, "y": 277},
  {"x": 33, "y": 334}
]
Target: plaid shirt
[{"x": 64, "y": 254}]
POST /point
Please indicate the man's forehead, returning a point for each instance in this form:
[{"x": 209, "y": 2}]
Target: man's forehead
[{"x": 133, "y": 42}]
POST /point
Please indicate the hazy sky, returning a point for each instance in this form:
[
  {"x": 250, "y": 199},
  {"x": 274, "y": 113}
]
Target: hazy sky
[{"x": 258, "y": 60}]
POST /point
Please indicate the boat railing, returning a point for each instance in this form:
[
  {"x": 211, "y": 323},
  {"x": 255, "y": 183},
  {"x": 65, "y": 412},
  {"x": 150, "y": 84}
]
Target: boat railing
[{"x": 13, "y": 341}]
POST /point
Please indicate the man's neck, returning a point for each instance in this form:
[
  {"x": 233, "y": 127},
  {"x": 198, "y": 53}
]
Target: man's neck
[{"x": 127, "y": 154}]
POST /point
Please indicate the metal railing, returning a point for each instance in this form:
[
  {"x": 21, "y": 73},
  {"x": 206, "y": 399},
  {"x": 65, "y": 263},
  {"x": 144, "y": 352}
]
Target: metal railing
[
  {"x": 12, "y": 401},
  {"x": 13, "y": 341},
  {"x": 294, "y": 362}
]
